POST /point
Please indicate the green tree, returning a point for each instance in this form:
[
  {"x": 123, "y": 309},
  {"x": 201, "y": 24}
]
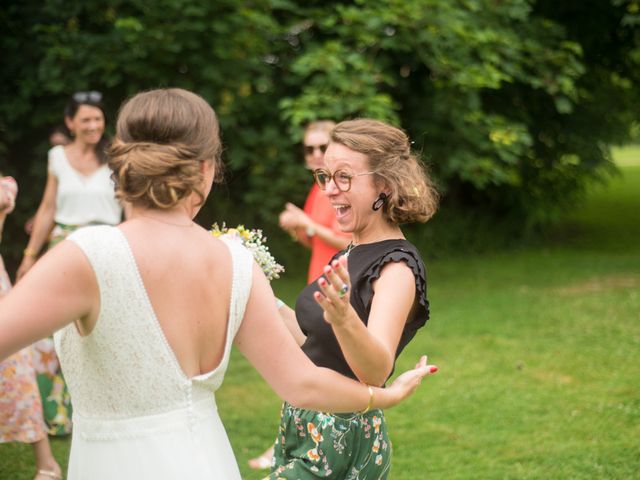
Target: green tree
[
  {"x": 512, "y": 103},
  {"x": 506, "y": 99}
]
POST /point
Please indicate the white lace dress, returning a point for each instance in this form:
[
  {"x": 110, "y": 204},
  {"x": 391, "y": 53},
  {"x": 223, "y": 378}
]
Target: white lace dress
[{"x": 136, "y": 415}]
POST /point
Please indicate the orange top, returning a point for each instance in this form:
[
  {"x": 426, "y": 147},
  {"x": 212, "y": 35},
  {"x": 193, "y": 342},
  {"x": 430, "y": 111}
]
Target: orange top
[{"x": 319, "y": 209}]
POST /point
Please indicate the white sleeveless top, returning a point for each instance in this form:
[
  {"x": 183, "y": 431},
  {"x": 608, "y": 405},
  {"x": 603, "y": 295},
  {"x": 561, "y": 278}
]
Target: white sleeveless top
[
  {"x": 135, "y": 413},
  {"x": 83, "y": 199}
]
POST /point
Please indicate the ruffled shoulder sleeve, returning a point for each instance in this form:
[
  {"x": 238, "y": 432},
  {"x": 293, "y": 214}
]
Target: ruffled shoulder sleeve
[{"x": 412, "y": 259}]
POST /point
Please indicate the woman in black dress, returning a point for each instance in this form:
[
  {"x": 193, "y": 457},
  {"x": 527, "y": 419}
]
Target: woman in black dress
[{"x": 369, "y": 304}]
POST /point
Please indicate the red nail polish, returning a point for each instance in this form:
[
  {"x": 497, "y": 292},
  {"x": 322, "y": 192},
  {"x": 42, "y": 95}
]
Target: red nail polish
[{"x": 433, "y": 369}]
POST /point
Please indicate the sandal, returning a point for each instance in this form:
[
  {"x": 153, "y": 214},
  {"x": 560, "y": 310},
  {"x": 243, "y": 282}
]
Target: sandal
[
  {"x": 263, "y": 461},
  {"x": 49, "y": 473}
]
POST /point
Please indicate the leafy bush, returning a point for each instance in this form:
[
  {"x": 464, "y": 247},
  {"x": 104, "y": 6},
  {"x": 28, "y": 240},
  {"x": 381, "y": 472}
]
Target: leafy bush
[{"x": 512, "y": 104}]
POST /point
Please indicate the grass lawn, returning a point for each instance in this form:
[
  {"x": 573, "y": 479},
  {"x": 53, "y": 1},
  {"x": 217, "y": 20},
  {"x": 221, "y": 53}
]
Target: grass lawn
[{"x": 538, "y": 354}]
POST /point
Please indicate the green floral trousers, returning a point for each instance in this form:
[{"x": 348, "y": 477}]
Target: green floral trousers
[{"x": 349, "y": 446}]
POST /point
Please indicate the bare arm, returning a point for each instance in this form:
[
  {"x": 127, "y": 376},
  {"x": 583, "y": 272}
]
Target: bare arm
[
  {"x": 265, "y": 341},
  {"x": 61, "y": 288},
  {"x": 294, "y": 219},
  {"x": 289, "y": 222},
  {"x": 329, "y": 236},
  {"x": 42, "y": 225},
  {"x": 289, "y": 318},
  {"x": 369, "y": 349}
]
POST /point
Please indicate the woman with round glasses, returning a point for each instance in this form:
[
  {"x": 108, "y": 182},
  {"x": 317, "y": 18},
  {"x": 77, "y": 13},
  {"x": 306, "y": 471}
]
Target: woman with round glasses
[
  {"x": 315, "y": 226},
  {"x": 370, "y": 302},
  {"x": 79, "y": 192}
]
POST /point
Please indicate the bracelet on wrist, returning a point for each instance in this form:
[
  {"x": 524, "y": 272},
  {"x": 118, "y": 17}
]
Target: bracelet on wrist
[
  {"x": 29, "y": 252},
  {"x": 370, "y": 404}
]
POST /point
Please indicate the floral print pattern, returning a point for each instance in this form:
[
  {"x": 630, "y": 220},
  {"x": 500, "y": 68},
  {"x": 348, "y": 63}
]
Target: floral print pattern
[
  {"x": 56, "y": 401},
  {"x": 20, "y": 407},
  {"x": 348, "y": 446}
]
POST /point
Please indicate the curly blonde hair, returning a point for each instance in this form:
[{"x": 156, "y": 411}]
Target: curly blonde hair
[
  {"x": 412, "y": 196},
  {"x": 161, "y": 138}
]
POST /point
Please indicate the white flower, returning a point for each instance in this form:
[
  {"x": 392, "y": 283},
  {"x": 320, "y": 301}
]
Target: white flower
[{"x": 254, "y": 241}]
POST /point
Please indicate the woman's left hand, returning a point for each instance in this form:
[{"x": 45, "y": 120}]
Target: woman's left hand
[
  {"x": 409, "y": 381},
  {"x": 335, "y": 289}
]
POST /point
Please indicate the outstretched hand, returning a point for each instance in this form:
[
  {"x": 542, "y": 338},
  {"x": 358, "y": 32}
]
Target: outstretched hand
[
  {"x": 293, "y": 217},
  {"x": 407, "y": 383}
]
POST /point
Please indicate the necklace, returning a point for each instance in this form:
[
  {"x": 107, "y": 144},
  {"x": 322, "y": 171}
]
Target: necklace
[
  {"x": 350, "y": 247},
  {"x": 167, "y": 223}
]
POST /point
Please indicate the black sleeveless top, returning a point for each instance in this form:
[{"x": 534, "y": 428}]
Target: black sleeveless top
[{"x": 365, "y": 264}]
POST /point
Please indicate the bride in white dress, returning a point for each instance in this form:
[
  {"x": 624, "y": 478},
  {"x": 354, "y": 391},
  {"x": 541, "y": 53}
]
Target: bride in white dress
[{"x": 145, "y": 313}]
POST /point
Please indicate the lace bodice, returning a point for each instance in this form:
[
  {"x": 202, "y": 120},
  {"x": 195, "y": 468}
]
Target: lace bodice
[{"x": 125, "y": 367}]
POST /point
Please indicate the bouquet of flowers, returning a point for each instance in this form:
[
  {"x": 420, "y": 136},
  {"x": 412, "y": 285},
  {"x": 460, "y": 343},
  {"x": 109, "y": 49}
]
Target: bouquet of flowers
[{"x": 253, "y": 240}]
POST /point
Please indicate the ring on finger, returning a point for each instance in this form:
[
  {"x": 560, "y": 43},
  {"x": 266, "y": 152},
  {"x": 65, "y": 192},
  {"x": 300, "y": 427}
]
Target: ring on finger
[{"x": 343, "y": 290}]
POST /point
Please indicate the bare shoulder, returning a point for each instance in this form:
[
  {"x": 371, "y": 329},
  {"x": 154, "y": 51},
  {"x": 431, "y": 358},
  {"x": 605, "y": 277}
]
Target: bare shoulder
[{"x": 66, "y": 258}]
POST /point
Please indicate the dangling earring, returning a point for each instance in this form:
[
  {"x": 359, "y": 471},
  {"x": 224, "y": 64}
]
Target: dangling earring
[{"x": 377, "y": 205}]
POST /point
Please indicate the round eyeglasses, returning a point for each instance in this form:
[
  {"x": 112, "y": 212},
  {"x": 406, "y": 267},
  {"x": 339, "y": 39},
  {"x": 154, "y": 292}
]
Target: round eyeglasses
[{"x": 341, "y": 178}]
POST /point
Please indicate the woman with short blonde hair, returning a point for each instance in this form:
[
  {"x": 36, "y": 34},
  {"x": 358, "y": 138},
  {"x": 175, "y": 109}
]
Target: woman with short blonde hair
[{"x": 367, "y": 306}]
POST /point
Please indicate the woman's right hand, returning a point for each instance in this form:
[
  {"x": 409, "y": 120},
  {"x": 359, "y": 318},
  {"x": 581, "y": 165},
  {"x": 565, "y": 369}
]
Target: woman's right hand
[
  {"x": 25, "y": 266},
  {"x": 293, "y": 217},
  {"x": 403, "y": 386},
  {"x": 286, "y": 221}
]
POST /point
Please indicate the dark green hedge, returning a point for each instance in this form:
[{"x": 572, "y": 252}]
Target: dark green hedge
[{"x": 512, "y": 103}]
